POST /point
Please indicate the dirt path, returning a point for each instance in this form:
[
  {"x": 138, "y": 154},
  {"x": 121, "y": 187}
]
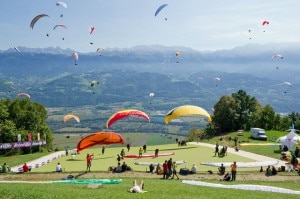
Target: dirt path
[{"x": 244, "y": 176}]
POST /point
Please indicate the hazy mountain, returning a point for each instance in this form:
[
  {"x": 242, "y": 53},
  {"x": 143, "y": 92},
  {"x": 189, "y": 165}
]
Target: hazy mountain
[{"x": 51, "y": 76}]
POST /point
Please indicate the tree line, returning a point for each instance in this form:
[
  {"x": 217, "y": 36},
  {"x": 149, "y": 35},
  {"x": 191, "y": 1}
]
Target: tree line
[
  {"x": 242, "y": 111},
  {"x": 21, "y": 117}
]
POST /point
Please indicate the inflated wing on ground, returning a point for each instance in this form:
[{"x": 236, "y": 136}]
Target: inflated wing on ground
[
  {"x": 186, "y": 110},
  {"x": 126, "y": 113},
  {"x": 99, "y": 138}
]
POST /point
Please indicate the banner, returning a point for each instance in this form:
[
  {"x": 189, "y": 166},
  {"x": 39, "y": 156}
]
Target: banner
[
  {"x": 19, "y": 138},
  {"x": 38, "y": 137},
  {"x": 15, "y": 145}
]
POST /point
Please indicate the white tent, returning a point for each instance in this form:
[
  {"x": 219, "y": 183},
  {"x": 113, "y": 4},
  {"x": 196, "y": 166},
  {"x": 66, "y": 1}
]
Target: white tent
[{"x": 290, "y": 139}]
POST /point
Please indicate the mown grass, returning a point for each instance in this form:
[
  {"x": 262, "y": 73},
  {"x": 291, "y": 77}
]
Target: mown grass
[
  {"x": 156, "y": 188},
  {"x": 190, "y": 153}
]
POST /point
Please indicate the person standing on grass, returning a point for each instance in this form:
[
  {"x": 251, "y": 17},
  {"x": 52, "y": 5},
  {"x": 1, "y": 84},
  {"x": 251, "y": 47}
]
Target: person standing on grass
[
  {"x": 165, "y": 169},
  {"x": 103, "y": 150},
  {"x": 140, "y": 153},
  {"x": 89, "y": 159},
  {"x": 174, "y": 171},
  {"x": 156, "y": 153},
  {"x": 233, "y": 171},
  {"x": 128, "y": 147}
]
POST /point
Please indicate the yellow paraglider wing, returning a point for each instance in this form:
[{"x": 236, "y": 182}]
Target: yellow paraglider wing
[
  {"x": 68, "y": 117},
  {"x": 185, "y": 111}
]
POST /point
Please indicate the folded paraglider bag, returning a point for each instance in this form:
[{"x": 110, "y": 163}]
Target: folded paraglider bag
[{"x": 184, "y": 171}]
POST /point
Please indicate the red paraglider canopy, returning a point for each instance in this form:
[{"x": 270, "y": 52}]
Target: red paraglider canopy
[
  {"x": 101, "y": 138},
  {"x": 126, "y": 113}
]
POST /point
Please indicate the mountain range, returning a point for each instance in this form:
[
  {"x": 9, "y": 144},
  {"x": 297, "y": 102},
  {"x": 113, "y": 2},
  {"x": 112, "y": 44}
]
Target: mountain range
[{"x": 54, "y": 78}]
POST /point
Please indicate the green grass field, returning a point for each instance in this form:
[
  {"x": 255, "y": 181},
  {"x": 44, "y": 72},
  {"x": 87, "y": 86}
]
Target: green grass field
[
  {"x": 155, "y": 187},
  {"x": 191, "y": 154}
]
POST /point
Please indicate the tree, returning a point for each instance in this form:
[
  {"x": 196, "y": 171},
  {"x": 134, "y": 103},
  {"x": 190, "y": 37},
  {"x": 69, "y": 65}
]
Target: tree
[
  {"x": 245, "y": 107},
  {"x": 266, "y": 118},
  {"x": 21, "y": 116},
  {"x": 225, "y": 113}
]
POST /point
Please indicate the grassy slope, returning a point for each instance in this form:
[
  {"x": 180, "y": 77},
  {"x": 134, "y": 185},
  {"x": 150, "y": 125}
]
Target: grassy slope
[
  {"x": 155, "y": 189},
  {"x": 191, "y": 153}
]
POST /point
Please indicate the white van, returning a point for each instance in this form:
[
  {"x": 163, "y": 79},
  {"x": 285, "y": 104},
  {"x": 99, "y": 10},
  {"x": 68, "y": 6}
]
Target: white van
[{"x": 258, "y": 133}]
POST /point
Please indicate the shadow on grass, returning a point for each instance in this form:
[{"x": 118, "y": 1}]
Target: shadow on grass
[
  {"x": 173, "y": 149},
  {"x": 104, "y": 158},
  {"x": 74, "y": 160}
]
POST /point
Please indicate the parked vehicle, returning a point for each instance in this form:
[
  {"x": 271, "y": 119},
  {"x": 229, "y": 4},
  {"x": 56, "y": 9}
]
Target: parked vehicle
[
  {"x": 258, "y": 133},
  {"x": 240, "y": 132}
]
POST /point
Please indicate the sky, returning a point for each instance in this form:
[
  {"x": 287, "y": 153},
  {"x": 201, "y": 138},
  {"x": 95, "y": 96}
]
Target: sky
[{"x": 199, "y": 24}]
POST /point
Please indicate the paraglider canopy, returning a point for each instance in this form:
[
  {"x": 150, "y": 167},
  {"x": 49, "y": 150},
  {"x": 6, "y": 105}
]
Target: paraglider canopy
[
  {"x": 126, "y": 113},
  {"x": 36, "y": 18},
  {"x": 99, "y": 138},
  {"x": 186, "y": 110},
  {"x": 24, "y": 94},
  {"x": 159, "y": 9},
  {"x": 94, "y": 83},
  {"x": 265, "y": 23},
  {"x": 63, "y": 4},
  {"x": 68, "y": 117}
]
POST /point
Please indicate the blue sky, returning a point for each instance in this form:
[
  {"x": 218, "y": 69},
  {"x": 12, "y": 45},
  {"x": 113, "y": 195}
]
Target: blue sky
[{"x": 199, "y": 24}]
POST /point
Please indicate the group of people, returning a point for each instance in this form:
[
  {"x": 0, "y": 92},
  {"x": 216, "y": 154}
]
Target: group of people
[
  {"x": 229, "y": 176},
  {"x": 222, "y": 152},
  {"x": 169, "y": 169},
  {"x": 270, "y": 171}
]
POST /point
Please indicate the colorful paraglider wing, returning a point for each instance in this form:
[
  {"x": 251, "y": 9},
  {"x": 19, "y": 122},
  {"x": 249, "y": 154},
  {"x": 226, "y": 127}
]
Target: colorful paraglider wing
[
  {"x": 100, "y": 49},
  {"x": 159, "y": 9},
  {"x": 24, "y": 94},
  {"x": 8, "y": 83},
  {"x": 265, "y": 23},
  {"x": 99, "y": 138},
  {"x": 36, "y": 18},
  {"x": 75, "y": 56},
  {"x": 92, "y": 28},
  {"x": 63, "y": 4},
  {"x": 60, "y": 25},
  {"x": 186, "y": 111},
  {"x": 68, "y": 117},
  {"x": 126, "y": 113},
  {"x": 94, "y": 83}
]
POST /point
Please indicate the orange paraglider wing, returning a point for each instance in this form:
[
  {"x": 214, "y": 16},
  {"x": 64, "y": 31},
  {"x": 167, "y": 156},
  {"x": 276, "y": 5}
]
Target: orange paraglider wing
[
  {"x": 99, "y": 138},
  {"x": 126, "y": 113}
]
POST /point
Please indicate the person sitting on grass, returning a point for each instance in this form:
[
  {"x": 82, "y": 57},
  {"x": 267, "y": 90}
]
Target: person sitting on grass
[
  {"x": 227, "y": 177},
  {"x": 221, "y": 169},
  {"x": 268, "y": 171},
  {"x": 193, "y": 169},
  {"x": 137, "y": 188},
  {"x": 58, "y": 167},
  {"x": 26, "y": 168}
]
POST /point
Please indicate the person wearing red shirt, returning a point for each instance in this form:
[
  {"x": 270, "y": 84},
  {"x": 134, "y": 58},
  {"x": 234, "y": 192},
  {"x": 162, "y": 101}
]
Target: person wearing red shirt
[
  {"x": 165, "y": 168},
  {"x": 25, "y": 167},
  {"x": 89, "y": 159}
]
